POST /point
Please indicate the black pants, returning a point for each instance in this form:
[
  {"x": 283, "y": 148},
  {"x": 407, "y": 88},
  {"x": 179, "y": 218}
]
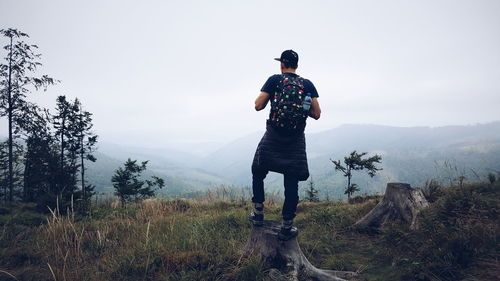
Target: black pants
[{"x": 291, "y": 193}]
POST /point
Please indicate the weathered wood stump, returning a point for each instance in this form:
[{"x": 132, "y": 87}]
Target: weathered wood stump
[
  {"x": 401, "y": 203},
  {"x": 286, "y": 256}
]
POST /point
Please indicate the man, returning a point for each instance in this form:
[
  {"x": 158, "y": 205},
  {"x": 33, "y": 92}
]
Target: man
[{"x": 282, "y": 149}]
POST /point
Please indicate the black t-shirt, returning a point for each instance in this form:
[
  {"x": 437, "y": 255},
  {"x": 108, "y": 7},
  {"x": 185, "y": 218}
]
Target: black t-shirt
[{"x": 272, "y": 86}]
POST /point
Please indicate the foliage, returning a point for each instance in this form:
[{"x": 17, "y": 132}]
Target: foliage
[
  {"x": 365, "y": 197},
  {"x": 432, "y": 190},
  {"x": 17, "y": 180},
  {"x": 356, "y": 162},
  {"x": 64, "y": 122},
  {"x": 41, "y": 170},
  {"x": 16, "y": 81},
  {"x": 86, "y": 142},
  {"x": 128, "y": 185},
  {"x": 45, "y": 163},
  {"x": 350, "y": 189},
  {"x": 492, "y": 178},
  {"x": 312, "y": 193}
]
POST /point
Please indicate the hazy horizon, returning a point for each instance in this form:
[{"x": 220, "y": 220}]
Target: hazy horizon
[
  {"x": 188, "y": 72},
  {"x": 206, "y": 148}
]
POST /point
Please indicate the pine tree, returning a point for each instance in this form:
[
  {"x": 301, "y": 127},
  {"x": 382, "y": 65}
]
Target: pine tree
[
  {"x": 128, "y": 185},
  {"x": 64, "y": 122},
  {"x": 41, "y": 161},
  {"x": 312, "y": 193},
  {"x": 17, "y": 155},
  {"x": 15, "y": 82},
  {"x": 355, "y": 162},
  {"x": 492, "y": 178},
  {"x": 86, "y": 141},
  {"x": 41, "y": 170},
  {"x": 4, "y": 171}
]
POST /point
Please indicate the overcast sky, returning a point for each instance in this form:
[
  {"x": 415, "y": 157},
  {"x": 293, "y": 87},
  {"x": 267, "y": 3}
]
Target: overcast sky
[{"x": 154, "y": 72}]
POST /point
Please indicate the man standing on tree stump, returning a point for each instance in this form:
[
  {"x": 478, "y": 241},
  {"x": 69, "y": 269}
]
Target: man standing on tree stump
[{"x": 282, "y": 149}]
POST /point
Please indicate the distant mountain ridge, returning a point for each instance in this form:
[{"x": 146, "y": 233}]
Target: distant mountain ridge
[
  {"x": 394, "y": 143},
  {"x": 409, "y": 154},
  {"x": 389, "y": 136}
]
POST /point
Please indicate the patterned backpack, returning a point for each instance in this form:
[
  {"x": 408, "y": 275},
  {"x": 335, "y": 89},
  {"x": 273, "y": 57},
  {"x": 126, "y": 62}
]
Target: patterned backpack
[{"x": 286, "y": 105}]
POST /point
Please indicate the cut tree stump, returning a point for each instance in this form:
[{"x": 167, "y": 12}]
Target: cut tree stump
[
  {"x": 286, "y": 257},
  {"x": 401, "y": 203}
]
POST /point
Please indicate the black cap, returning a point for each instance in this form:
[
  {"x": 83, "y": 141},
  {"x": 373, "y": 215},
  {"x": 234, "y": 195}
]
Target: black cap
[{"x": 289, "y": 56}]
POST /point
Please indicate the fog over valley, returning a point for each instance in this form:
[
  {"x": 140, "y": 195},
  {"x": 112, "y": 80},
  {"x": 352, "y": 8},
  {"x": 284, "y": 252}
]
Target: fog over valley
[{"x": 409, "y": 154}]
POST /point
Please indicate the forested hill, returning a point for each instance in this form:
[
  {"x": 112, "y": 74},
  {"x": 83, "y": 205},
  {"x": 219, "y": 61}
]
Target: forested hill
[{"x": 409, "y": 154}]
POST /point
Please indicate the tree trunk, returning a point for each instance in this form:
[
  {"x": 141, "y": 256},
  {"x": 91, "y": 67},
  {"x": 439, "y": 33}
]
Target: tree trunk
[
  {"x": 9, "y": 101},
  {"x": 82, "y": 152},
  {"x": 62, "y": 185},
  {"x": 285, "y": 258},
  {"x": 26, "y": 172},
  {"x": 5, "y": 189},
  {"x": 401, "y": 203},
  {"x": 348, "y": 183},
  {"x": 84, "y": 192}
]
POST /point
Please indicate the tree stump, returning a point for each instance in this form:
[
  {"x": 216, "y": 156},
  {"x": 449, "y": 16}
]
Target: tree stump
[
  {"x": 286, "y": 256},
  {"x": 400, "y": 203}
]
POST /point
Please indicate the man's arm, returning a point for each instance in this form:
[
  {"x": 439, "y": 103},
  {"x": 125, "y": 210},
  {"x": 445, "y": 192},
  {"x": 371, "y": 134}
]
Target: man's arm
[
  {"x": 315, "y": 111},
  {"x": 261, "y": 101}
]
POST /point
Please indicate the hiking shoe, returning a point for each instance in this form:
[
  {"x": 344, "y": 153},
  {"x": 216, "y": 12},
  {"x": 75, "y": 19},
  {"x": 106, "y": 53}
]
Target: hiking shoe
[
  {"x": 256, "y": 219},
  {"x": 286, "y": 234},
  {"x": 257, "y": 215}
]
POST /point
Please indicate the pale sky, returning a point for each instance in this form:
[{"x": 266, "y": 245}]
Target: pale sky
[{"x": 156, "y": 72}]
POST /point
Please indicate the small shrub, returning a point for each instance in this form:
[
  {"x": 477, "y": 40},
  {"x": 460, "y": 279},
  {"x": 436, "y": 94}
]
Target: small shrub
[
  {"x": 492, "y": 178},
  {"x": 432, "y": 190},
  {"x": 363, "y": 198}
]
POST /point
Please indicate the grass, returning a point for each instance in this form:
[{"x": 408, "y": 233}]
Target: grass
[{"x": 199, "y": 240}]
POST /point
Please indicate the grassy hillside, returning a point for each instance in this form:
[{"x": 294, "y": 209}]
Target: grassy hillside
[{"x": 199, "y": 240}]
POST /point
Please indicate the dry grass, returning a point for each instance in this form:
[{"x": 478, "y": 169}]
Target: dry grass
[
  {"x": 142, "y": 240},
  {"x": 187, "y": 239}
]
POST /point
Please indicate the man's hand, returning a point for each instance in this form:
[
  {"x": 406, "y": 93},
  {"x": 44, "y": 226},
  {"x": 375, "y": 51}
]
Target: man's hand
[
  {"x": 315, "y": 111},
  {"x": 261, "y": 101}
]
